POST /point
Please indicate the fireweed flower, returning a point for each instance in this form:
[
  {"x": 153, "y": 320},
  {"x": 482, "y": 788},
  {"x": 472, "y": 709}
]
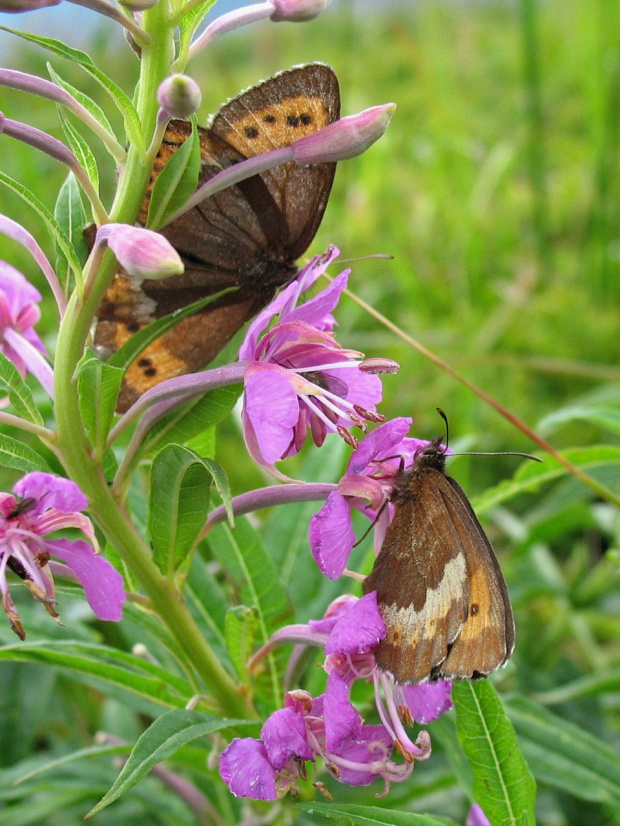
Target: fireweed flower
[
  {"x": 298, "y": 378},
  {"x": 43, "y": 504},
  {"x": 18, "y": 315},
  {"x": 329, "y": 727},
  {"x": 366, "y": 486}
]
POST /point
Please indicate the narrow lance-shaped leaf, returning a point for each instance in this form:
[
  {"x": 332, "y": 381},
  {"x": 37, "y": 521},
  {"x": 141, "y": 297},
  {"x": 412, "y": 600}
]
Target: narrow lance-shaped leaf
[
  {"x": 178, "y": 503},
  {"x": 565, "y": 755},
  {"x": 20, "y": 396},
  {"x": 503, "y": 784},
  {"x": 98, "y": 385},
  {"x": 19, "y": 456},
  {"x": 176, "y": 182},
  {"x": 167, "y": 735}
]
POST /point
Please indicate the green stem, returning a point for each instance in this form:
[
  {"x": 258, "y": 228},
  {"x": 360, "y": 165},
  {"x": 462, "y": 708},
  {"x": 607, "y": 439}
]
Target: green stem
[{"x": 72, "y": 443}]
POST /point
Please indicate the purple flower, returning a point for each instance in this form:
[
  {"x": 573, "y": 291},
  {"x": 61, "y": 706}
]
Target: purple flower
[
  {"x": 18, "y": 315},
  {"x": 44, "y": 505},
  {"x": 298, "y": 379},
  {"x": 329, "y": 726},
  {"x": 366, "y": 486}
]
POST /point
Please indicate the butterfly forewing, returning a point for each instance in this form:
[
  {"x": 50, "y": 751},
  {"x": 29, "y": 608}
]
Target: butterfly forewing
[{"x": 247, "y": 236}]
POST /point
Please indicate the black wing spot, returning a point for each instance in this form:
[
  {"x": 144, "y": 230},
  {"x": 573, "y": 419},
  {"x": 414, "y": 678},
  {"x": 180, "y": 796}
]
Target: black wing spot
[
  {"x": 251, "y": 132},
  {"x": 269, "y": 119},
  {"x": 474, "y": 609},
  {"x": 144, "y": 362},
  {"x": 306, "y": 119},
  {"x": 292, "y": 120}
]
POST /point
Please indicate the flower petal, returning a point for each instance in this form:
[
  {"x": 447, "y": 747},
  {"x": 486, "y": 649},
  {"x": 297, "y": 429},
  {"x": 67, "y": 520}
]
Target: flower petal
[
  {"x": 342, "y": 720},
  {"x": 246, "y": 770},
  {"x": 51, "y": 491},
  {"x": 359, "y": 629},
  {"x": 102, "y": 583},
  {"x": 428, "y": 701},
  {"x": 284, "y": 736},
  {"x": 271, "y": 407},
  {"x": 331, "y": 535}
]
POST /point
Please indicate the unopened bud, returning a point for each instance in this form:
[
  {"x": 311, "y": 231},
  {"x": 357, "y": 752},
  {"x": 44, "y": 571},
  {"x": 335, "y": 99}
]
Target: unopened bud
[
  {"x": 345, "y": 138},
  {"x": 179, "y": 96},
  {"x": 142, "y": 253},
  {"x": 297, "y": 11},
  {"x": 16, "y": 6},
  {"x": 138, "y": 5}
]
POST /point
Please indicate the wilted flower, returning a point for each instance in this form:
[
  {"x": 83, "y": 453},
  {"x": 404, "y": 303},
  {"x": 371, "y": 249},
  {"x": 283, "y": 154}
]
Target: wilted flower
[{"x": 43, "y": 504}]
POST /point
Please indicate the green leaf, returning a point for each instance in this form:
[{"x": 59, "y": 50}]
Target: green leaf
[
  {"x": 88, "y": 103},
  {"x": 167, "y": 735},
  {"x": 132, "y": 348},
  {"x": 178, "y": 504},
  {"x": 241, "y": 626},
  {"x": 176, "y": 182},
  {"x": 19, "y": 456},
  {"x": 196, "y": 417},
  {"x": 598, "y": 415},
  {"x": 98, "y": 387},
  {"x": 71, "y": 217},
  {"x": 564, "y": 755},
  {"x": 98, "y": 664},
  {"x": 47, "y": 217},
  {"x": 57, "y": 47},
  {"x": 368, "y": 815},
  {"x": 80, "y": 149},
  {"x": 249, "y": 565},
  {"x": 503, "y": 784},
  {"x": 532, "y": 475},
  {"x": 18, "y": 391},
  {"x": 190, "y": 22}
]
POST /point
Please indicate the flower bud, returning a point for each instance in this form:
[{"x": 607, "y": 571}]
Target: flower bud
[
  {"x": 138, "y": 5},
  {"x": 179, "y": 96},
  {"x": 345, "y": 138},
  {"x": 296, "y": 11},
  {"x": 16, "y": 6},
  {"x": 141, "y": 252}
]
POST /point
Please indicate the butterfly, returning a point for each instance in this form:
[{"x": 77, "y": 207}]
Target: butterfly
[
  {"x": 439, "y": 586},
  {"x": 247, "y": 236}
]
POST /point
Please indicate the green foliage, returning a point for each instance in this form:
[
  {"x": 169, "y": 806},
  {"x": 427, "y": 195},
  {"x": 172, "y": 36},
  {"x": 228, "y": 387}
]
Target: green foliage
[{"x": 496, "y": 191}]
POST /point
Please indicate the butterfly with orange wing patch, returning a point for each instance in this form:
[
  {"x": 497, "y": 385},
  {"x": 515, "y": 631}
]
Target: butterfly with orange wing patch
[
  {"x": 247, "y": 236},
  {"x": 439, "y": 586}
]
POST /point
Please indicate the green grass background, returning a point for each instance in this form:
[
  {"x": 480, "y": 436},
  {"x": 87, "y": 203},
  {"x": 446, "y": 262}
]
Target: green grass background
[{"x": 496, "y": 190}]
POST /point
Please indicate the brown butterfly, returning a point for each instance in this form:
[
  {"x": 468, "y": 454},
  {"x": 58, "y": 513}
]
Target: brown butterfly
[
  {"x": 247, "y": 236},
  {"x": 439, "y": 586}
]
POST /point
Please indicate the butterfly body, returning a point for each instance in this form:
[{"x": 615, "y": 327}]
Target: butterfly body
[
  {"x": 439, "y": 587},
  {"x": 247, "y": 236}
]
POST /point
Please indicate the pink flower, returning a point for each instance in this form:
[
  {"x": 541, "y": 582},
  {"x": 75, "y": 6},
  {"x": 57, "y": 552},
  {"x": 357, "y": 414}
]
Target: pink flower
[
  {"x": 299, "y": 380},
  {"x": 44, "y": 504},
  {"x": 366, "y": 486},
  {"x": 18, "y": 315}
]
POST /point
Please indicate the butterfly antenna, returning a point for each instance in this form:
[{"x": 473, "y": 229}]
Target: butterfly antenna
[{"x": 445, "y": 419}]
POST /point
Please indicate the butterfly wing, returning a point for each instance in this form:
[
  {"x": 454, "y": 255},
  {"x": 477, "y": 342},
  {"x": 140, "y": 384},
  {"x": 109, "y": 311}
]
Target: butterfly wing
[
  {"x": 246, "y": 236},
  {"x": 439, "y": 588}
]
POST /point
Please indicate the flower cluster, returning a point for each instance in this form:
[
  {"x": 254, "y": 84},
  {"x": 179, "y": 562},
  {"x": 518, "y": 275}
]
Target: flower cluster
[
  {"x": 41, "y": 505},
  {"x": 329, "y": 727}
]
